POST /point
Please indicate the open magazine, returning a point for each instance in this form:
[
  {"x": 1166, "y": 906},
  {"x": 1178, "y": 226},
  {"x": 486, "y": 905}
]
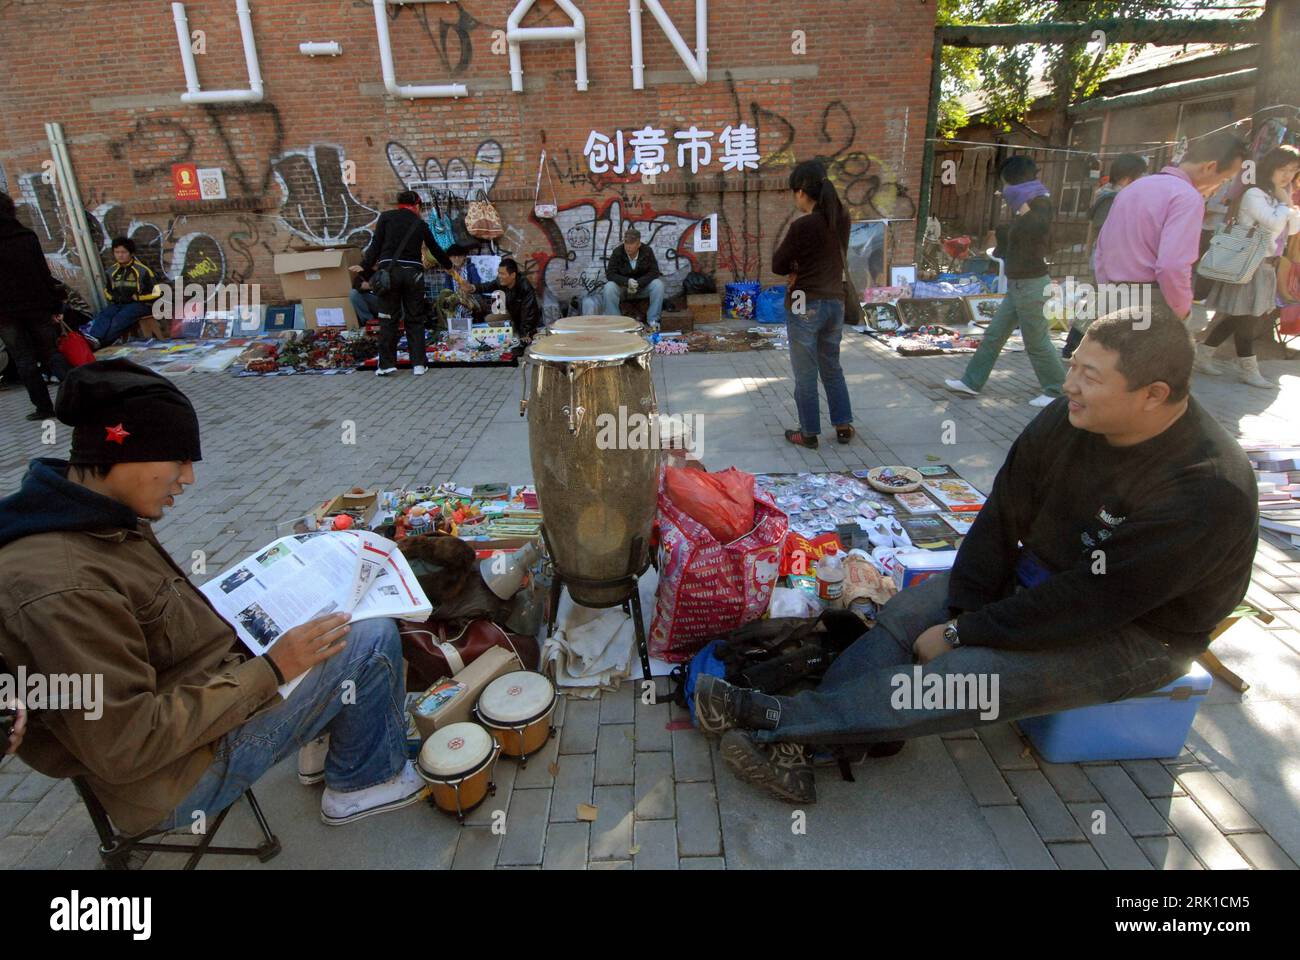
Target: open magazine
[{"x": 309, "y": 575}]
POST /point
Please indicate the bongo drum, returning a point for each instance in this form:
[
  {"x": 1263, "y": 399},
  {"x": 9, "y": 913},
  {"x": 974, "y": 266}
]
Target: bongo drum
[
  {"x": 592, "y": 439},
  {"x": 517, "y": 707},
  {"x": 603, "y": 324},
  {"x": 457, "y": 762}
]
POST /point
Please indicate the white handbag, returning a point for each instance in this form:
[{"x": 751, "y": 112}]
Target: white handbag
[
  {"x": 544, "y": 211},
  {"x": 1235, "y": 253}
]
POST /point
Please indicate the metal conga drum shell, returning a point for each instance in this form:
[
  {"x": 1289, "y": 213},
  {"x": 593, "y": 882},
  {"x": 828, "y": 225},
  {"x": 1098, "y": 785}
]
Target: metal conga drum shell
[{"x": 596, "y": 502}]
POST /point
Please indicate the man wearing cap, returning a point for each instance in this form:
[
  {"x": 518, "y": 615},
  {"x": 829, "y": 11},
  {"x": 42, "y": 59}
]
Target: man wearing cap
[
  {"x": 633, "y": 274},
  {"x": 188, "y": 719}
]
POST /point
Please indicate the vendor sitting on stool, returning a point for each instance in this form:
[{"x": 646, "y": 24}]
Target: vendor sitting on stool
[
  {"x": 633, "y": 274},
  {"x": 131, "y": 291},
  {"x": 1138, "y": 518},
  {"x": 184, "y": 718}
]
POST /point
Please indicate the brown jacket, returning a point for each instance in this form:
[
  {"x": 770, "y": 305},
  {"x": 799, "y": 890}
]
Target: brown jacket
[{"x": 112, "y": 602}]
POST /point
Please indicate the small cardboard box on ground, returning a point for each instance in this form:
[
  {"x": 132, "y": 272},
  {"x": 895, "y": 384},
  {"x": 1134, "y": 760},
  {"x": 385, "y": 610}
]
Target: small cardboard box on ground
[
  {"x": 364, "y": 505},
  {"x": 317, "y": 273},
  {"x": 329, "y": 312},
  {"x": 452, "y": 699}
]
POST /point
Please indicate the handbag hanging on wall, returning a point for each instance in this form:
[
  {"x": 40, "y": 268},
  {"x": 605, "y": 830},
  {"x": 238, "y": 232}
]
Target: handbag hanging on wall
[
  {"x": 482, "y": 220},
  {"x": 440, "y": 225},
  {"x": 544, "y": 211}
]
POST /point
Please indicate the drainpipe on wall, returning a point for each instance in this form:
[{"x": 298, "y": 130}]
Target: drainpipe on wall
[
  {"x": 193, "y": 93},
  {"x": 410, "y": 92},
  {"x": 82, "y": 238},
  {"x": 515, "y": 35}
]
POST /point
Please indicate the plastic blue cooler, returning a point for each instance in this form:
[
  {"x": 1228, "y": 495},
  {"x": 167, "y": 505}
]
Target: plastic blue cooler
[{"x": 1145, "y": 727}]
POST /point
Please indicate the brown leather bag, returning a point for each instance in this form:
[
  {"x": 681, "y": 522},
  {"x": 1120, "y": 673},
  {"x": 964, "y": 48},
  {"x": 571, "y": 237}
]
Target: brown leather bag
[{"x": 440, "y": 648}]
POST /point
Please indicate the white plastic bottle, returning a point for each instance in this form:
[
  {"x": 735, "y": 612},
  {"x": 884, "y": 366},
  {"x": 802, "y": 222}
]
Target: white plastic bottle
[{"x": 830, "y": 577}]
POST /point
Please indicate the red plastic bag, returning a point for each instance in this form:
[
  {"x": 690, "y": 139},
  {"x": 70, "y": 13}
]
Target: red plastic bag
[
  {"x": 74, "y": 347},
  {"x": 707, "y": 587},
  {"x": 723, "y": 502}
]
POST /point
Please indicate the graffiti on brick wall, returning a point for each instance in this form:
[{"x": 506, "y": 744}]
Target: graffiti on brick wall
[
  {"x": 584, "y": 235},
  {"x": 452, "y": 39},
  {"x": 485, "y": 167},
  {"x": 318, "y": 204}
]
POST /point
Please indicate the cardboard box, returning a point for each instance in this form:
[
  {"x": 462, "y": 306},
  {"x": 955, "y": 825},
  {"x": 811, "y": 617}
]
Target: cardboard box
[
  {"x": 329, "y": 312},
  {"x": 367, "y": 504},
  {"x": 921, "y": 565},
  {"x": 455, "y": 701},
  {"x": 316, "y": 274},
  {"x": 705, "y": 307}
]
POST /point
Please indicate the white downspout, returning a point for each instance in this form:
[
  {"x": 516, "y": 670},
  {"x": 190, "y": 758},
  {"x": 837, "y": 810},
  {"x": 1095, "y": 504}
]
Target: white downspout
[
  {"x": 193, "y": 93},
  {"x": 81, "y": 235},
  {"x": 390, "y": 75},
  {"x": 697, "y": 65},
  {"x": 515, "y": 35}
]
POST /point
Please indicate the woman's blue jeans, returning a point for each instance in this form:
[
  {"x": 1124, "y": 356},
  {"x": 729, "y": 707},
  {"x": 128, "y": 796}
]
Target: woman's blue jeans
[{"x": 815, "y": 351}]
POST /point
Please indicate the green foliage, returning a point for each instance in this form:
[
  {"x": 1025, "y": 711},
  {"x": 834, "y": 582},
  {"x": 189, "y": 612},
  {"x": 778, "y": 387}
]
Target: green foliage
[{"x": 1073, "y": 70}]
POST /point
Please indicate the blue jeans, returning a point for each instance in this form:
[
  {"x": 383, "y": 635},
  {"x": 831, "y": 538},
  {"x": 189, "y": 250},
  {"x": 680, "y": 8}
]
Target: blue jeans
[
  {"x": 367, "y": 733},
  {"x": 365, "y": 304},
  {"x": 115, "y": 320},
  {"x": 1023, "y": 306},
  {"x": 815, "y": 350},
  {"x": 853, "y": 702},
  {"x": 654, "y": 290}
]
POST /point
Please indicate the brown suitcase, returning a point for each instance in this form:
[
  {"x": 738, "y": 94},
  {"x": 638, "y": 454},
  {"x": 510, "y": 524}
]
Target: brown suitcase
[{"x": 440, "y": 648}]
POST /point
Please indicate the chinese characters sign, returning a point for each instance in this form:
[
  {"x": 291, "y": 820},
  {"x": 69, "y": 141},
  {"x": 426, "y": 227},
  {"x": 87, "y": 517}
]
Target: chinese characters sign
[{"x": 648, "y": 150}]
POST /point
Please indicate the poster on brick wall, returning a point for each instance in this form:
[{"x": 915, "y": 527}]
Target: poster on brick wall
[
  {"x": 185, "y": 181},
  {"x": 706, "y": 234},
  {"x": 212, "y": 183}
]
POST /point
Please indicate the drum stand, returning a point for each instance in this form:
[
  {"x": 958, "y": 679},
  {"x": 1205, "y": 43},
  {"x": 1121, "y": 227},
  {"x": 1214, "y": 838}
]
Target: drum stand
[{"x": 631, "y": 601}]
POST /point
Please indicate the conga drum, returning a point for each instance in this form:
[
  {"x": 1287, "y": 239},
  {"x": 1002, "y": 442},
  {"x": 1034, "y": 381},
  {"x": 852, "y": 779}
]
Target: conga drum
[
  {"x": 517, "y": 707},
  {"x": 457, "y": 762},
  {"x": 602, "y": 324},
  {"x": 592, "y": 431}
]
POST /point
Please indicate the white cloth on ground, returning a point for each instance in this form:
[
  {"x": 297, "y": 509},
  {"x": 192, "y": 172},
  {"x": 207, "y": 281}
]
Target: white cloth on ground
[{"x": 592, "y": 650}]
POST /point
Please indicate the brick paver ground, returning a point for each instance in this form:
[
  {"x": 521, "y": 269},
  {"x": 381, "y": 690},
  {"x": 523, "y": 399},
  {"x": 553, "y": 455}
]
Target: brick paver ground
[{"x": 274, "y": 448}]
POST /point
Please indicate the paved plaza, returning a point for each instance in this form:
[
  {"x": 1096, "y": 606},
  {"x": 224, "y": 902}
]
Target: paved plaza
[{"x": 273, "y": 448}]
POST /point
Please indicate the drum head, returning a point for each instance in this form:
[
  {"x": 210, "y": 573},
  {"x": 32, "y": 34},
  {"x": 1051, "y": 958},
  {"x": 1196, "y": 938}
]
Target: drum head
[
  {"x": 602, "y": 346},
  {"x": 595, "y": 324},
  {"x": 516, "y": 698},
  {"x": 455, "y": 749}
]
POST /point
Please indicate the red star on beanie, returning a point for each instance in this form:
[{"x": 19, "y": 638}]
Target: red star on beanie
[{"x": 116, "y": 434}]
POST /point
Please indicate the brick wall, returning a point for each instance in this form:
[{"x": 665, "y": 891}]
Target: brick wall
[{"x": 327, "y": 149}]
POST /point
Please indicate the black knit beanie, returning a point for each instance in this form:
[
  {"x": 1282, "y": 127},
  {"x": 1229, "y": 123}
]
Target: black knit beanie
[{"x": 122, "y": 412}]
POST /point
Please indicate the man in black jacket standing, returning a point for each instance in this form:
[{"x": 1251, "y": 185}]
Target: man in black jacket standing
[
  {"x": 28, "y": 306},
  {"x": 511, "y": 294},
  {"x": 633, "y": 274},
  {"x": 1119, "y": 533},
  {"x": 399, "y": 235}
]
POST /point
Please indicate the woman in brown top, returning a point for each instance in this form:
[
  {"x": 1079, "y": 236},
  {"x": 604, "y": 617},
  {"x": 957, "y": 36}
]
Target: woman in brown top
[{"x": 813, "y": 255}]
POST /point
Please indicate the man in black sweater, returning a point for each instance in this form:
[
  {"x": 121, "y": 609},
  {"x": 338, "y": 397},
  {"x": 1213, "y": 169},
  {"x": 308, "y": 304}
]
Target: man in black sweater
[
  {"x": 633, "y": 274},
  {"x": 1120, "y": 531},
  {"x": 399, "y": 235},
  {"x": 28, "y": 307}
]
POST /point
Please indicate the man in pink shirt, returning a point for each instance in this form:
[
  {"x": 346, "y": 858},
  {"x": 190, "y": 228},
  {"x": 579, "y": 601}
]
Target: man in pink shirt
[{"x": 1154, "y": 229}]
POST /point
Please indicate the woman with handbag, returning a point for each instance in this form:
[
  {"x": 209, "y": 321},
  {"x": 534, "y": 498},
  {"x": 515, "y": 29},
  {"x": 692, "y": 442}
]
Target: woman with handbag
[
  {"x": 1242, "y": 309},
  {"x": 812, "y": 254}
]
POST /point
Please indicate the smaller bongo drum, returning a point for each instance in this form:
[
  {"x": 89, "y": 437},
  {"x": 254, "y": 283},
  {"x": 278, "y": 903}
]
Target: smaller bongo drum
[
  {"x": 517, "y": 707},
  {"x": 594, "y": 324},
  {"x": 457, "y": 762}
]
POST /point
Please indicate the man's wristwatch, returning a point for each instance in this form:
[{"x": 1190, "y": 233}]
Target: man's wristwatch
[{"x": 950, "y": 634}]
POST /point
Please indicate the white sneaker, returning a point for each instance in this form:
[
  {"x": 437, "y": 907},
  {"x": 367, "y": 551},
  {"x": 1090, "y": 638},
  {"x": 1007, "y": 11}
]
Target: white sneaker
[
  {"x": 959, "y": 386},
  {"x": 400, "y": 790},
  {"x": 1042, "y": 400},
  {"x": 311, "y": 760},
  {"x": 384, "y": 371},
  {"x": 418, "y": 371}
]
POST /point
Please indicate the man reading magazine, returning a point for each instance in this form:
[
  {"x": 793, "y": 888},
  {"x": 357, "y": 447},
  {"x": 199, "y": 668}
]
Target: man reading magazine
[{"x": 189, "y": 720}]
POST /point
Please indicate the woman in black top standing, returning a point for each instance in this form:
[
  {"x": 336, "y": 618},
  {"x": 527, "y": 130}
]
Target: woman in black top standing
[{"x": 813, "y": 255}]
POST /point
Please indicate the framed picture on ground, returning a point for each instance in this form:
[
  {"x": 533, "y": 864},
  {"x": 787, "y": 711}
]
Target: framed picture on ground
[
  {"x": 983, "y": 306},
  {"x": 902, "y": 275}
]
